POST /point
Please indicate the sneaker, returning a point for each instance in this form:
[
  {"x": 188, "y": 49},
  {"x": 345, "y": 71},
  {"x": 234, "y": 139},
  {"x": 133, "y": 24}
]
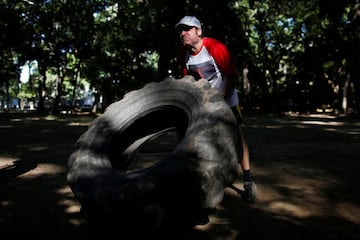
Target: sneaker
[{"x": 250, "y": 192}]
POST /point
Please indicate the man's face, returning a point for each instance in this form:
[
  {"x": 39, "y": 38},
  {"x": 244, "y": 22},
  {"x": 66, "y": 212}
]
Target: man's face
[{"x": 189, "y": 36}]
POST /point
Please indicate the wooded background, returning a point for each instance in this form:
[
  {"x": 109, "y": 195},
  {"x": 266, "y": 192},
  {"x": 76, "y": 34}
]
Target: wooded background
[{"x": 295, "y": 55}]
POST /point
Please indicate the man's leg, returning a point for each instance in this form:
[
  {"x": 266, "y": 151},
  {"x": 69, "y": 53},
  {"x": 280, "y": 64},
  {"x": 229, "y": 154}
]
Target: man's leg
[{"x": 250, "y": 190}]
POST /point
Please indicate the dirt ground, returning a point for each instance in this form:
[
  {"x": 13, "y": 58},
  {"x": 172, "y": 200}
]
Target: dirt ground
[{"x": 306, "y": 169}]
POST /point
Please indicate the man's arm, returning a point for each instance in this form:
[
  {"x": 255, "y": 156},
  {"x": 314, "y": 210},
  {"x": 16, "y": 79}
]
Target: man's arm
[{"x": 224, "y": 60}]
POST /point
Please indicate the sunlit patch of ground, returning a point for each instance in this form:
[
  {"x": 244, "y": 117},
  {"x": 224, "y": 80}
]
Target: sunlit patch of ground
[{"x": 305, "y": 168}]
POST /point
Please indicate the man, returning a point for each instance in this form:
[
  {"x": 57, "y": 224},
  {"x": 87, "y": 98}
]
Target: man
[{"x": 204, "y": 57}]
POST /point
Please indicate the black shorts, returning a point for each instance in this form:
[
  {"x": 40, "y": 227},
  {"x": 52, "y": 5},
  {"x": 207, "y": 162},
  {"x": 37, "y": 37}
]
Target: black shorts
[{"x": 237, "y": 113}]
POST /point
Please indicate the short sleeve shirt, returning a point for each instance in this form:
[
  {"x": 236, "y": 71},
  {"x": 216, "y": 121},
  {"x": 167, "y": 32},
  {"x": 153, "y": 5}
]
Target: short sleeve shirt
[{"x": 213, "y": 62}]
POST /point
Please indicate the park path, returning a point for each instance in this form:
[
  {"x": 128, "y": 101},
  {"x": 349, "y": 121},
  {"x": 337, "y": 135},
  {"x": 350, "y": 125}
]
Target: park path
[{"x": 306, "y": 170}]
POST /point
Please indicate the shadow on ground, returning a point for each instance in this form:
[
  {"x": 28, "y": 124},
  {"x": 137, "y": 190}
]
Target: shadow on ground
[{"x": 305, "y": 167}]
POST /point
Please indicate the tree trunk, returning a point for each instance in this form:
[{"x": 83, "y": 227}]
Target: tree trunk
[
  {"x": 355, "y": 56},
  {"x": 42, "y": 88}
]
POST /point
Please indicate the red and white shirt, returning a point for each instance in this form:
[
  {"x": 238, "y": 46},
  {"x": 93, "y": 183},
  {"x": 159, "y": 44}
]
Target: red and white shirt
[{"x": 213, "y": 62}]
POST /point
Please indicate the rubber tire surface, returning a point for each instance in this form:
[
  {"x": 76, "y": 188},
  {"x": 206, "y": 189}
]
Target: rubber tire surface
[{"x": 183, "y": 185}]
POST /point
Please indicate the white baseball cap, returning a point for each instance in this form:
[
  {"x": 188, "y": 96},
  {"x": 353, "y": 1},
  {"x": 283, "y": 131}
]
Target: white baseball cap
[{"x": 189, "y": 21}]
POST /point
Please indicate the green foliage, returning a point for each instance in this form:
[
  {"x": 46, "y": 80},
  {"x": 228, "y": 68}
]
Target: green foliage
[{"x": 115, "y": 46}]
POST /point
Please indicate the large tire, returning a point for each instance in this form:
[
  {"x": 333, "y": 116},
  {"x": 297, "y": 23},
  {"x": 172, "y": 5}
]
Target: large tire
[{"x": 183, "y": 184}]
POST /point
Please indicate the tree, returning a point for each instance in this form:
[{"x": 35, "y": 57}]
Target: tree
[{"x": 118, "y": 46}]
